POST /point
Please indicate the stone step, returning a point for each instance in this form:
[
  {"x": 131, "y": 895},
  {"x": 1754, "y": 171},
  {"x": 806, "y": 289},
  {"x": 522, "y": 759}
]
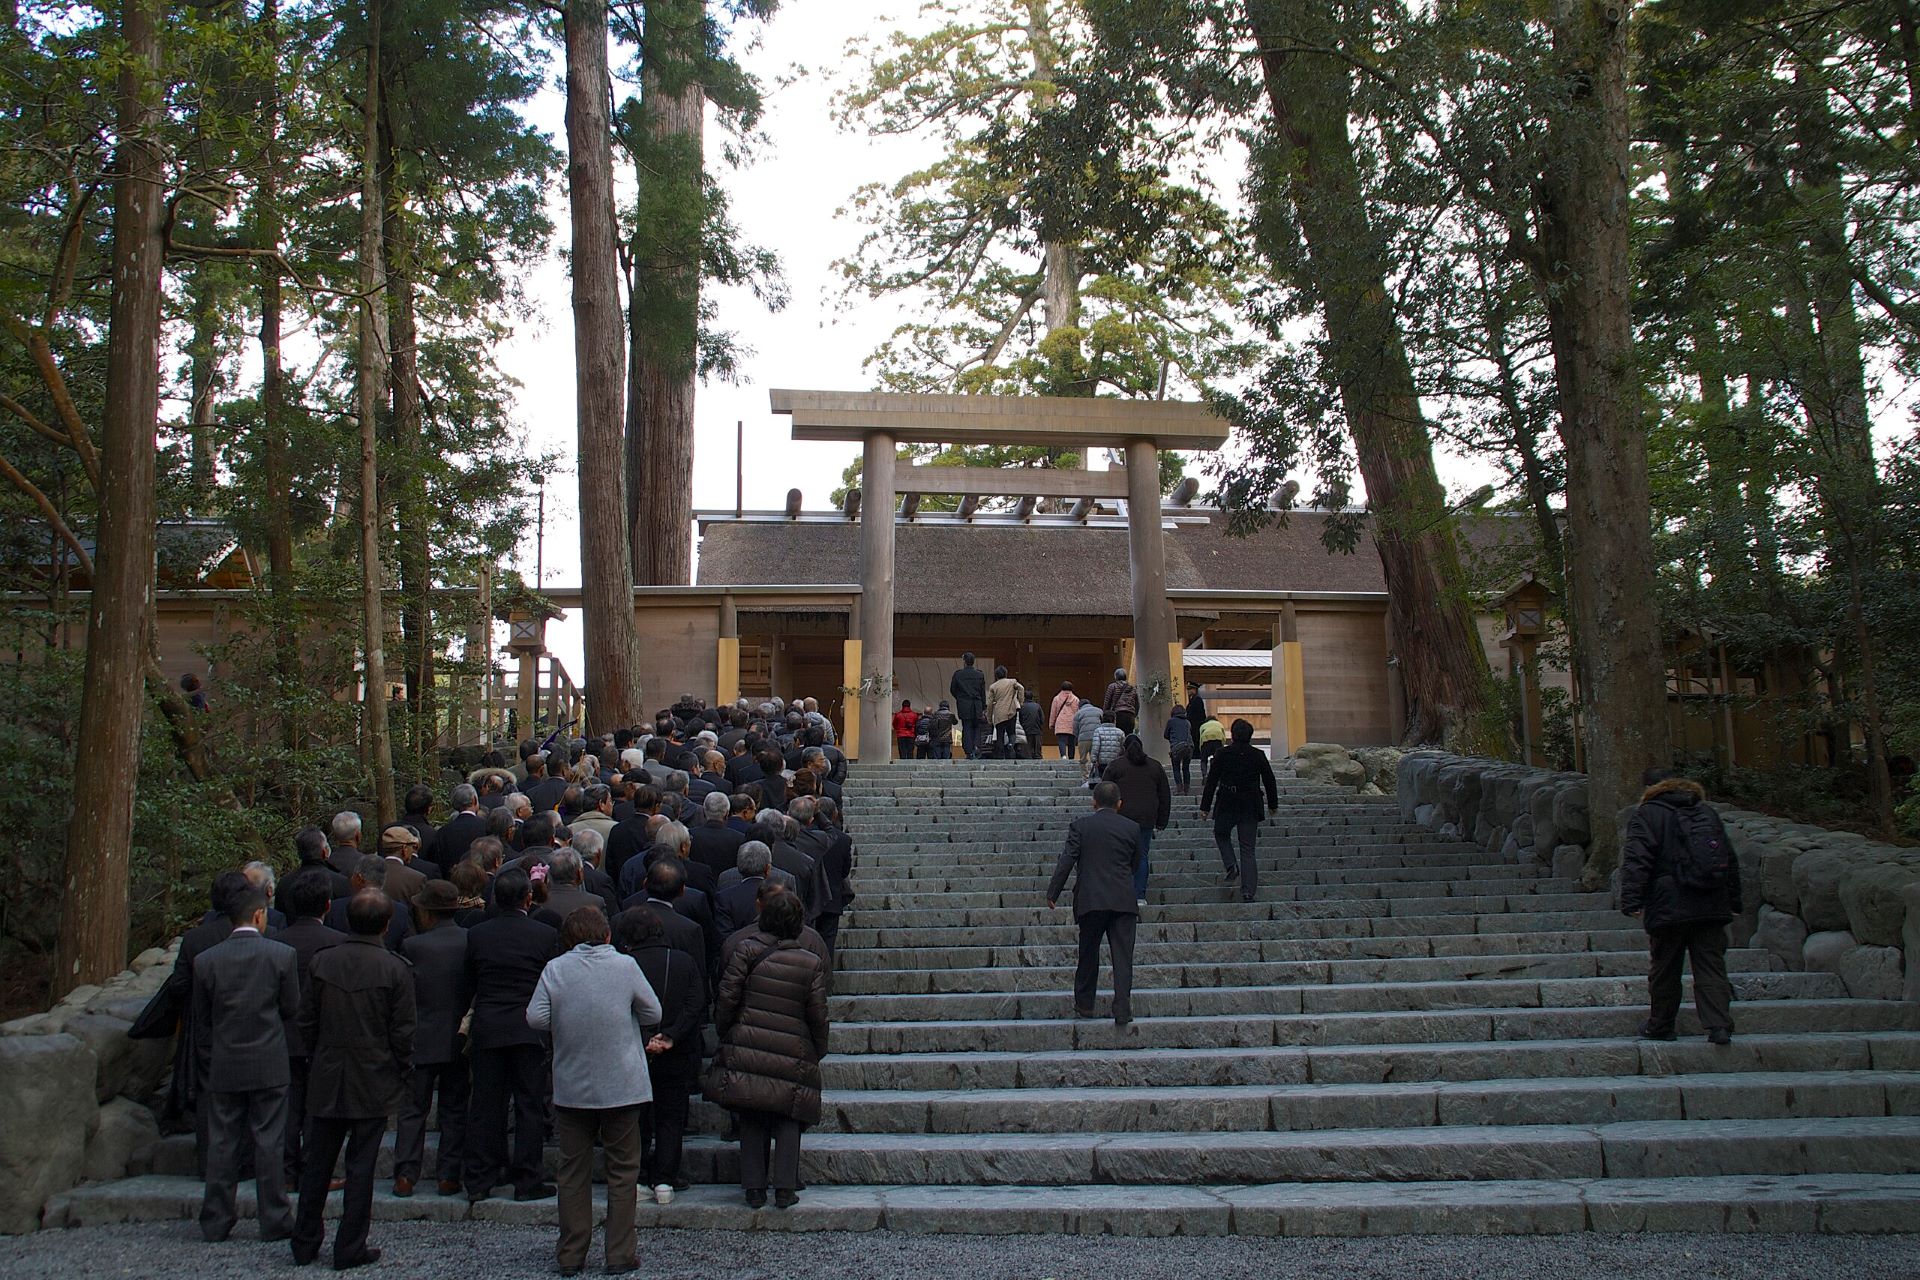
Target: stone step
[
  {"x": 1057, "y": 980},
  {"x": 1154, "y": 1068},
  {"x": 1305, "y": 947},
  {"x": 1822, "y": 1203},
  {"x": 1283, "y": 1030},
  {"x": 1779, "y": 1147},
  {"x": 951, "y": 892},
  {"x": 1335, "y": 901},
  {"x": 1233, "y": 1002}
]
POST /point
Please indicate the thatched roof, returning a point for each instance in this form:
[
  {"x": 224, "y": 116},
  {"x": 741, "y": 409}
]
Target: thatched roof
[{"x": 1068, "y": 570}]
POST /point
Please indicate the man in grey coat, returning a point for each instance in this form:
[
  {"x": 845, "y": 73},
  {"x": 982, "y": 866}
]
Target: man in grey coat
[
  {"x": 245, "y": 991},
  {"x": 1105, "y": 847}
]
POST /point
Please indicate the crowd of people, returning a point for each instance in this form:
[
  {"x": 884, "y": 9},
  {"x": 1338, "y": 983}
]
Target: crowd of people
[{"x": 558, "y": 957}]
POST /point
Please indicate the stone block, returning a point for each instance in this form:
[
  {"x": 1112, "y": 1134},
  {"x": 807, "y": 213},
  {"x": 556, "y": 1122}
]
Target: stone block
[
  {"x": 1872, "y": 973},
  {"x": 1910, "y": 939},
  {"x": 131, "y": 1067},
  {"x": 125, "y": 1137},
  {"x": 1776, "y": 878},
  {"x": 1816, "y": 879},
  {"x": 1569, "y": 861},
  {"x": 1570, "y": 816},
  {"x": 1824, "y": 951},
  {"x": 1782, "y": 934},
  {"x": 1872, "y": 898},
  {"x": 46, "y": 1095}
]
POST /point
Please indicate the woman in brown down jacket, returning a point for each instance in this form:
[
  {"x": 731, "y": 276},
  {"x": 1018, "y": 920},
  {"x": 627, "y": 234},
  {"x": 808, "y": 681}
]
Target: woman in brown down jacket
[{"x": 771, "y": 1013}]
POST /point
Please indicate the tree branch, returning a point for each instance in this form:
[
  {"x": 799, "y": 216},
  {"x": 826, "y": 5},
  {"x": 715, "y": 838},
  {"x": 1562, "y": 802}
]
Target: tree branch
[{"x": 47, "y": 509}]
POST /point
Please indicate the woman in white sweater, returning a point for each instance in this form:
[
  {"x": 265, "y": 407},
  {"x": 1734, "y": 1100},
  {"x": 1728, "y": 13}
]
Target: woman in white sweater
[{"x": 599, "y": 1008}]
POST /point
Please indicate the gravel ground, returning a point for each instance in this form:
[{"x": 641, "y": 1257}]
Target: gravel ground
[{"x": 469, "y": 1251}]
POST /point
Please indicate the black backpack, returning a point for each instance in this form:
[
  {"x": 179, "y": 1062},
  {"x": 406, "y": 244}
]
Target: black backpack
[{"x": 1703, "y": 853}]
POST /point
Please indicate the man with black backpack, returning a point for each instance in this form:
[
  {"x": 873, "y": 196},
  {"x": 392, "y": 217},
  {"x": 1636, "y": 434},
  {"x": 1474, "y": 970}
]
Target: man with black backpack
[{"x": 1680, "y": 877}]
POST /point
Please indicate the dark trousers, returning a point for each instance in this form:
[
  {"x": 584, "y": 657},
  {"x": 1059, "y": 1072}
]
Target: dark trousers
[
  {"x": 828, "y": 927},
  {"x": 617, "y": 1131},
  {"x": 906, "y": 747},
  {"x": 513, "y": 1074},
  {"x": 296, "y": 1115},
  {"x": 663, "y": 1122},
  {"x": 1117, "y": 928},
  {"x": 1226, "y": 824},
  {"x": 1182, "y": 758},
  {"x": 325, "y": 1136},
  {"x": 451, "y": 1082},
  {"x": 1066, "y": 741},
  {"x": 1146, "y": 861},
  {"x": 238, "y": 1125},
  {"x": 970, "y": 736},
  {"x": 1670, "y": 948},
  {"x": 1004, "y": 747},
  {"x": 767, "y": 1138}
]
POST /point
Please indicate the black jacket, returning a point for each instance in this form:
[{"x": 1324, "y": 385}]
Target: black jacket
[
  {"x": 627, "y": 841},
  {"x": 442, "y": 991},
  {"x": 683, "y": 935},
  {"x": 1235, "y": 779},
  {"x": 340, "y": 886},
  {"x": 1656, "y": 836},
  {"x": 968, "y": 689},
  {"x": 245, "y": 991},
  {"x": 716, "y": 847},
  {"x": 771, "y": 1012},
  {"x": 1104, "y": 846},
  {"x": 505, "y": 955},
  {"x": 737, "y": 906},
  {"x": 683, "y": 1007},
  {"x": 449, "y": 843},
  {"x": 358, "y": 1018},
  {"x": 1145, "y": 796},
  {"x": 308, "y": 938}
]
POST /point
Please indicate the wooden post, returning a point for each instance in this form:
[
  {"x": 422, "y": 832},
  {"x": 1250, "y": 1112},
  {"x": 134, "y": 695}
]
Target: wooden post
[
  {"x": 1147, "y": 552},
  {"x": 726, "y": 672},
  {"x": 1289, "y": 684},
  {"x": 850, "y": 676},
  {"x": 876, "y": 592}
]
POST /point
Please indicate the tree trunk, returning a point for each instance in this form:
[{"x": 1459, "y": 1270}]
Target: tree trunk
[
  {"x": 275, "y": 451},
  {"x": 203, "y": 377},
  {"x": 407, "y": 464},
  {"x": 1588, "y": 291},
  {"x": 665, "y": 295},
  {"x": 606, "y": 573},
  {"x": 370, "y": 376},
  {"x": 92, "y": 944},
  {"x": 1448, "y": 679}
]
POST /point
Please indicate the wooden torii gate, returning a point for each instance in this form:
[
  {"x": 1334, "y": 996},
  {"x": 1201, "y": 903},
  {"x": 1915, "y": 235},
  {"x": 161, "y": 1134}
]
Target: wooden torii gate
[{"x": 881, "y": 421}]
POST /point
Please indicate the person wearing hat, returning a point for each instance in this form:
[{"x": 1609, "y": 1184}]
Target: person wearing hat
[
  {"x": 442, "y": 994},
  {"x": 400, "y": 846}
]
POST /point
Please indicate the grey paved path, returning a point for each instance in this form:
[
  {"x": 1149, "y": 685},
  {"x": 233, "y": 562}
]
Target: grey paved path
[{"x": 467, "y": 1251}]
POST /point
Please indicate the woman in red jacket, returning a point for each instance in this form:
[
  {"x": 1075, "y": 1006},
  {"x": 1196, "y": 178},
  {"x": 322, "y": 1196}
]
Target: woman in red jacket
[{"x": 903, "y": 722}]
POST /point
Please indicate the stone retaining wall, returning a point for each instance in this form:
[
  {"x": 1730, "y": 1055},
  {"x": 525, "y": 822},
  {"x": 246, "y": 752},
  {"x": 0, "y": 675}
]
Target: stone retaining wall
[
  {"x": 1823, "y": 900},
  {"x": 75, "y": 1091}
]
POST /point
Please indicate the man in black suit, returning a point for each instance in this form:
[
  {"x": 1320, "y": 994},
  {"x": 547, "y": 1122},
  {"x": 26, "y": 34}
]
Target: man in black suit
[
  {"x": 715, "y": 845},
  {"x": 666, "y": 883},
  {"x": 542, "y": 789},
  {"x": 736, "y": 906},
  {"x": 311, "y": 846},
  {"x": 504, "y": 958},
  {"x": 358, "y": 1017},
  {"x": 245, "y": 990},
  {"x": 1105, "y": 847},
  {"x": 417, "y": 805},
  {"x": 630, "y": 836},
  {"x": 814, "y": 760},
  {"x": 442, "y": 991},
  {"x": 343, "y": 842},
  {"x": 778, "y": 831},
  {"x": 673, "y": 1050},
  {"x": 566, "y": 888},
  {"x": 305, "y": 895},
  {"x": 742, "y": 769},
  {"x": 968, "y": 689},
  {"x": 836, "y": 862},
  {"x": 371, "y": 873},
  {"x": 449, "y": 843}
]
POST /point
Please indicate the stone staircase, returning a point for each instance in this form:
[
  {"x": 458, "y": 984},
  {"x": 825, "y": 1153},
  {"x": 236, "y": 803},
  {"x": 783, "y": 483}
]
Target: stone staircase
[{"x": 1401, "y": 1035}]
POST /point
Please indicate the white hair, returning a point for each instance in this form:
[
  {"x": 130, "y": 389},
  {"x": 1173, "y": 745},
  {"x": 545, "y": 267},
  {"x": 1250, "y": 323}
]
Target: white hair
[
  {"x": 588, "y": 843},
  {"x": 753, "y": 859},
  {"x": 672, "y": 836},
  {"x": 345, "y": 826},
  {"x": 716, "y": 805},
  {"x": 632, "y": 758},
  {"x": 262, "y": 876}
]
